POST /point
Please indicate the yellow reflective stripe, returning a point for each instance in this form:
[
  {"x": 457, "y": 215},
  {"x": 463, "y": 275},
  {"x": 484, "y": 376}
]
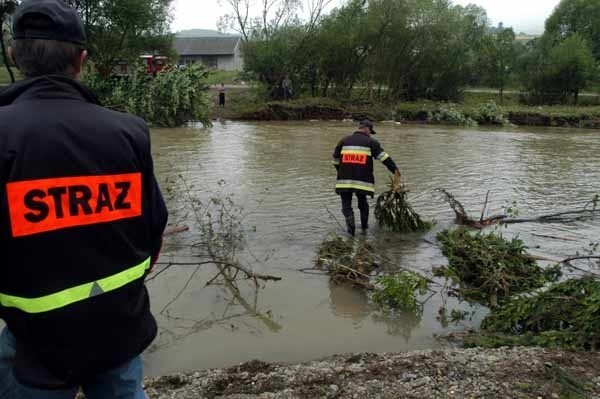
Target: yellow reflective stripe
[
  {"x": 355, "y": 186},
  {"x": 359, "y": 182},
  {"x": 383, "y": 156},
  {"x": 125, "y": 277},
  {"x": 336, "y": 161},
  {"x": 75, "y": 294},
  {"x": 357, "y": 152},
  {"x": 356, "y": 147}
]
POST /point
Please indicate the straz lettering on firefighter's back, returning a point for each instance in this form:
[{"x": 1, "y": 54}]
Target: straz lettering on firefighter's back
[
  {"x": 354, "y": 158},
  {"x": 38, "y": 206}
]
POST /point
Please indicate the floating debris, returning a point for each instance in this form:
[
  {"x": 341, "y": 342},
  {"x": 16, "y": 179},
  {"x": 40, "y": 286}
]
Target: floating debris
[{"x": 347, "y": 260}]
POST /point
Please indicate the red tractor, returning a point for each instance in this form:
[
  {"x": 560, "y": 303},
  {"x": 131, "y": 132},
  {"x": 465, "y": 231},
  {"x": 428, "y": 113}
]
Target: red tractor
[{"x": 155, "y": 63}]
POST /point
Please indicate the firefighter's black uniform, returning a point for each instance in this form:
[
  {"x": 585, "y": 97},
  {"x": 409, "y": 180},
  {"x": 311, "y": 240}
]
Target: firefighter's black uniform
[
  {"x": 353, "y": 158},
  {"x": 81, "y": 221}
]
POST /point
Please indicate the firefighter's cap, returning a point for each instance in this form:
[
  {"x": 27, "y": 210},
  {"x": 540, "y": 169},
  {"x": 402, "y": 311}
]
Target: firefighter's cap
[
  {"x": 52, "y": 20},
  {"x": 368, "y": 124}
]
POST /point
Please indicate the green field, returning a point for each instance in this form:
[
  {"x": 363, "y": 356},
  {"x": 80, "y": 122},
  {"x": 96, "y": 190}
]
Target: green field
[{"x": 226, "y": 77}]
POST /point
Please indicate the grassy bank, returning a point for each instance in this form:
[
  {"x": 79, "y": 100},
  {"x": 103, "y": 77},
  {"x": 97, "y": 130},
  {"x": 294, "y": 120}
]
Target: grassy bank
[
  {"x": 477, "y": 108},
  {"x": 246, "y": 107}
]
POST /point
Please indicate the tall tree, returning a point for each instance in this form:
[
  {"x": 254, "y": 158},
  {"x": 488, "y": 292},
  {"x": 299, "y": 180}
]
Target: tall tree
[
  {"x": 556, "y": 73},
  {"x": 499, "y": 53},
  {"x": 429, "y": 51},
  {"x": 576, "y": 16},
  {"x": 571, "y": 66},
  {"x": 121, "y": 30},
  {"x": 269, "y": 16},
  {"x": 238, "y": 20}
]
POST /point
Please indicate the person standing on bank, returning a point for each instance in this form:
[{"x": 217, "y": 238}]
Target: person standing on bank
[
  {"x": 353, "y": 158},
  {"x": 81, "y": 223},
  {"x": 222, "y": 96}
]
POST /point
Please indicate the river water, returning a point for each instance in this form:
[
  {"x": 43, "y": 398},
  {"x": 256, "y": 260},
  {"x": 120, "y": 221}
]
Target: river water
[{"x": 281, "y": 174}]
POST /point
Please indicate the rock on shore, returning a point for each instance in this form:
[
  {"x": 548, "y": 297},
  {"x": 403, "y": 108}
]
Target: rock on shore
[{"x": 454, "y": 373}]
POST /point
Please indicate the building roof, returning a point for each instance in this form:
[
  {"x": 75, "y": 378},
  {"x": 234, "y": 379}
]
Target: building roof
[
  {"x": 201, "y": 33},
  {"x": 206, "y": 45}
]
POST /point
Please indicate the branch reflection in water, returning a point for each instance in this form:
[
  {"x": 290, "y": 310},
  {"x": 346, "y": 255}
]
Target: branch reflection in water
[{"x": 222, "y": 230}]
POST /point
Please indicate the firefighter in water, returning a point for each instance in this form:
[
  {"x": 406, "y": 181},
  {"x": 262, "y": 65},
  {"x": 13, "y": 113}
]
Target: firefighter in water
[
  {"x": 81, "y": 223},
  {"x": 353, "y": 158}
]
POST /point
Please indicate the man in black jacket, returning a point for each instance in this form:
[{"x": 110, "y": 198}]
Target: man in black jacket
[
  {"x": 81, "y": 223},
  {"x": 353, "y": 158}
]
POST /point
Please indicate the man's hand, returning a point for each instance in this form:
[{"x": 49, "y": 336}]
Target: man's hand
[{"x": 397, "y": 181}]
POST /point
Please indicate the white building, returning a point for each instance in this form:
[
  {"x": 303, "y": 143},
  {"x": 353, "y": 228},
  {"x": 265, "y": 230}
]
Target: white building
[{"x": 216, "y": 52}]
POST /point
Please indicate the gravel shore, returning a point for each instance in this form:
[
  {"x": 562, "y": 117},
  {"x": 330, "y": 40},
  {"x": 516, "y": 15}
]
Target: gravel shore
[{"x": 453, "y": 373}]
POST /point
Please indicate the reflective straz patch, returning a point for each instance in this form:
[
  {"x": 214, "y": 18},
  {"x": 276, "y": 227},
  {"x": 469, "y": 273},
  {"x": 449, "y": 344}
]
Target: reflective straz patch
[
  {"x": 358, "y": 159},
  {"x": 38, "y": 206}
]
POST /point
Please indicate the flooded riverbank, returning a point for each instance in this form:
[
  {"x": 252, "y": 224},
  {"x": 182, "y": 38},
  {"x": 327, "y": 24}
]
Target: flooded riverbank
[{"x": 281, "y": 173}]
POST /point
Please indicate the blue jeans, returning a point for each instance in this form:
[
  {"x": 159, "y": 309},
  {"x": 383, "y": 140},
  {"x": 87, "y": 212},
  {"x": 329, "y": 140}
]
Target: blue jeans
[{"x": 124, "y": 382}]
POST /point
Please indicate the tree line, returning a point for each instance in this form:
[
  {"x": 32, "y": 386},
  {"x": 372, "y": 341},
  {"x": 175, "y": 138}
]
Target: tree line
[
  {"x": 396, "y": 49},
  {"x": 411, "y": 49}
]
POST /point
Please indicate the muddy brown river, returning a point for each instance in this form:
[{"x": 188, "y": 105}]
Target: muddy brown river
[{"x": 281, "y": 174}]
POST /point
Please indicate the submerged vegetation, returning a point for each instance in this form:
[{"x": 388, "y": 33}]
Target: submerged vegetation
[
  {"x": 400, "y": 291},
  {"x": 488, "y": 268},
  {"x": 529, "y": 304},
  {"x": 567, "y": 315},
  {"x": 347, "y": 260},
  {"x": 355, "y": 262}
]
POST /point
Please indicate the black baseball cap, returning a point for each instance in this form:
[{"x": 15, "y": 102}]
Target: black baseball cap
[
  {"x": 57, "y": 22},
  {"x": 367, "y": 123}
]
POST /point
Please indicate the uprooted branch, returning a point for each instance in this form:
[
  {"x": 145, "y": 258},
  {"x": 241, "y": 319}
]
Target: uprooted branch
[
  {"x": 249, "y": 274},
  {"x": 590, "y": 210},
  {"x": 219, "y": 226},
  {"x": 463, "y": 218},
  {"x": 560, "y": 217},
  {"x": 586, "y": 271},
  {"x": 394, "y": 212},
  {"x": 568, "y": 260}
]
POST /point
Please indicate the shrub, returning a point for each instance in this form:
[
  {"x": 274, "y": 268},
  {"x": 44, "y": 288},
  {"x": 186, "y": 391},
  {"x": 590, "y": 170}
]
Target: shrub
[
  {"x": 172, "y": 98},
  {"x": 449, "y": 114},
  {"x": 491, "y": 114}
]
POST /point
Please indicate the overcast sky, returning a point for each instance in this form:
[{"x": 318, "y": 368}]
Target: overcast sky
[{"x": 523, "y": 15}]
